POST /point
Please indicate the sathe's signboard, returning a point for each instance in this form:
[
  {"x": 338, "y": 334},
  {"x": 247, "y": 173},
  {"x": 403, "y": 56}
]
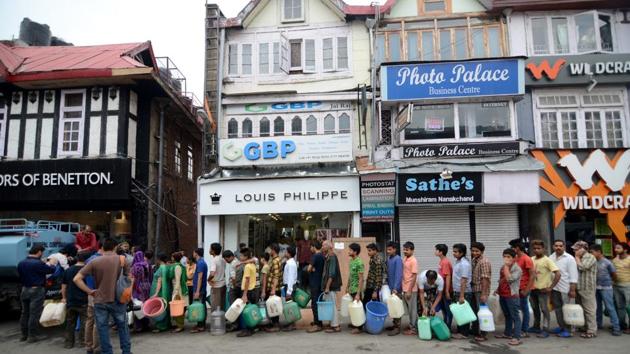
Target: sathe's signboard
[
  {"x": 588, "y": 180},
  {"x": 378, "y": 196},
  {"x": 476, "y": 78},
  {"x": 461, "y": 150},
  {"x": 65, "y": 180},
  {"x": 289, "y": 195},
  {"x": 578, "y": 69},
  {"x": 430, "y": 188},
  {"x": 285, "y": 150}
]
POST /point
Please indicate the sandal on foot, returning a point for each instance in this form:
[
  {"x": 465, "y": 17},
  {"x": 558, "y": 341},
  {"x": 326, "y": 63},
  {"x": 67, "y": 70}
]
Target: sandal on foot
[
  {"x": 480, "y": 339},
  {"x": 333, "y": 329},
  {"x": 588, "y": 335},
  {"x": 502, "y": 336},
  {"x": 515, "y": 342}
]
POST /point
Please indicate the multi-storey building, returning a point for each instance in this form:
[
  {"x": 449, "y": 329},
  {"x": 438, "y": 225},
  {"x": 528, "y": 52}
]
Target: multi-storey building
[
  {"x": 291, "y": 109},
  {"x": 453, "y": 128},
  {"x": 80, "y": 135},
  {"x": 577, "y": 76}
]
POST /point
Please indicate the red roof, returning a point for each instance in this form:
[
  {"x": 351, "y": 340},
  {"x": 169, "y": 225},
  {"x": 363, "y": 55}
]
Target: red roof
[{"x": 70, "y": 61}]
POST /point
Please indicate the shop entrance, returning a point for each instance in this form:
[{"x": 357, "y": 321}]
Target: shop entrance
[{"x": 258, "y": 231}]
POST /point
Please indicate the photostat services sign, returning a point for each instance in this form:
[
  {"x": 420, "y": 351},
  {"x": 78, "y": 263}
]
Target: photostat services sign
[
  {"x": 497, "y": 77},
  {"x": 378, "y": 196}
]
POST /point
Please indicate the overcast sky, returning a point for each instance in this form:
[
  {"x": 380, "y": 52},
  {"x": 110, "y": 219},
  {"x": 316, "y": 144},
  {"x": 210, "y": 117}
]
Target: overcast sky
[{"x": 175, "y": 27}]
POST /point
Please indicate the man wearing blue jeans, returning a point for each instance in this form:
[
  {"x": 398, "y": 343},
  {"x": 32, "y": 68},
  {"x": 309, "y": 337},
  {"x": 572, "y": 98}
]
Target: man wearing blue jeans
[
  {"x": 604, "y": 290},
  {"x": 105, "y": 270}
]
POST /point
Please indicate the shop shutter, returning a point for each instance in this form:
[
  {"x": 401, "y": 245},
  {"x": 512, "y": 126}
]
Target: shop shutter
[
  {"x": 426, "y": 227},
  {"x": 495, "y": 227}
]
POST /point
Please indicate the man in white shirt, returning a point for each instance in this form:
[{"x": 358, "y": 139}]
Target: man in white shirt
[
  {"x": 289, "y": 278},
  {"x": 430, "y": 289},
  {"x": 565, "y": 291},
  {"x": 216, "y": 278}
]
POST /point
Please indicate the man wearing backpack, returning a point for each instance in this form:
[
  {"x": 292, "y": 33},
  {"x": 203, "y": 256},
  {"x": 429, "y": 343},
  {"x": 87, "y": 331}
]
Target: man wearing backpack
[{"x": 106, "y": 270}]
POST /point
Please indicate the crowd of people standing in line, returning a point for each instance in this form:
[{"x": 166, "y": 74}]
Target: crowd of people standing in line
[{"x": 90, "y": 275}]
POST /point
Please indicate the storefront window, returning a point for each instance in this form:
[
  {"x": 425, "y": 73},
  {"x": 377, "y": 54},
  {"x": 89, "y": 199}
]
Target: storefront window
[
  {"x": 431, "y": 122},
  {"x": 264, "y": 127},
  {"x": 571, "y": 119},
  {"x": 232, "y": 129},
  {"x": 278, "y": 126},
  {"x": 296, "y": 126},
  {"x": 247, "y": 128},
  {"x": 484, "y": 120}
]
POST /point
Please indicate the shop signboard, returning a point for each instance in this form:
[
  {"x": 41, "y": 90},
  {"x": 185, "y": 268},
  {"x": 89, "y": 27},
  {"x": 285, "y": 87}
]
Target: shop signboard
[
  {"x": 378, "y": 196},
  {"x": 285, "y": 150},
  {"x": 280, "y": 195},
  {"x": 578, "y": 69},
  {"x": 508, "y": 148},
  {"x": 287, "y": 107},
  {"x": 452, "y": 80},
  {"x": 589, "y": 180},
  {"x": 431, "y": 188},
  {"x": 65, "y": 180}
]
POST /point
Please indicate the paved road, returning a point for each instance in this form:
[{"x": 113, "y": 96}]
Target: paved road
[{"x": 301, "y": 342}]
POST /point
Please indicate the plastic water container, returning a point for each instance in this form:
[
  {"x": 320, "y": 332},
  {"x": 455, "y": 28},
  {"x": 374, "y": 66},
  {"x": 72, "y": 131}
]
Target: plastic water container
[
  {"x": 262, "y": 309},
  {"x": 440, "y": 329},
  {"x": 486, "y": 319},
  {"x": 573, "y": 314},
  {"x": 395, "y": 307},
  {"x": 251, "y": 316},
  {"x": 274, "y": 306},
  {"x": 235, "y": 310},
  {"x": 138, "y": 313},
  {"x": 155, "y": 308},
  {"x": 495, "y": 308},
  {"x": 196, "y": 312},
  {"x": 462, "y": 313},
  {"x": 357, "y": 313},
  {"x": 385, "y": 293},
  {"x": 292, "y": 312},
  {"x": 346, "y": 300},
  {"x": 325, "y": 309},
  {"x": 217, "y": 323},
  {"x": 375, "y": 317},
  {"x": 301, "y": 297},
  {"x": 424, "y": 328}
]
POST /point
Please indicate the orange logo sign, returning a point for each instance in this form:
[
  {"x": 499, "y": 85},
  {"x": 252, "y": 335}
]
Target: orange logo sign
[
  {"x": 610, "y": 196},
  {"x": 550, "y": 71}
]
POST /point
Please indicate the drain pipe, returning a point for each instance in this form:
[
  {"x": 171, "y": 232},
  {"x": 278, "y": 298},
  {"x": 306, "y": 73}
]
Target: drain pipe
[{"x": 158, "y": 215}]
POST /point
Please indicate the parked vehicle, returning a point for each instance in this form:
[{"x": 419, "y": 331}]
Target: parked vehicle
[{"x": 17, "y": 236}]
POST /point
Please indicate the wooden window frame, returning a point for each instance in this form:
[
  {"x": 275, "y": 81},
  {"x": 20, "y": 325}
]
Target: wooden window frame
[
  {"x": 448, "y": 7},
  {"x": 63, "y": 120}
]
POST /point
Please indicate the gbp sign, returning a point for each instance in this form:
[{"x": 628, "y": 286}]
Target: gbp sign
[{"x": 268, "y": 150}]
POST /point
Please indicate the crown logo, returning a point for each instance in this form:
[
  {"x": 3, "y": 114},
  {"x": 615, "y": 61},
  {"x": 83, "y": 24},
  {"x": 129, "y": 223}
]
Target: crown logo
[{"x": 216, "y": 198}]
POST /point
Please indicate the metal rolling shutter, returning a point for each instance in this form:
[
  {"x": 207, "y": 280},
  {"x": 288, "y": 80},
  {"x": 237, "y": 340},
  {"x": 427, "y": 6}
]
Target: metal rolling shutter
[
  {"x": 495, "y": 227},
  {"x": 428, "y": 226}
]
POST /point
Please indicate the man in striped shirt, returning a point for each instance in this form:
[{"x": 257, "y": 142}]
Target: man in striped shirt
[{"x": 587, "y": 277}]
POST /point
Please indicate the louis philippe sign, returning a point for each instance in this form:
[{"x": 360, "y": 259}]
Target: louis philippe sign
[{"x": 478, "y": 78}]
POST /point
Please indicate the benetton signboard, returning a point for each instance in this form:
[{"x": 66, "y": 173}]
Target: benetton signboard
[
  {"x": 461, "y": 150},
  {"x": 430, "y": 188},
  {"x": 477, "y": 78},
  {"x": 65, "y": 180},
  {"x": 578, "y": 69}
]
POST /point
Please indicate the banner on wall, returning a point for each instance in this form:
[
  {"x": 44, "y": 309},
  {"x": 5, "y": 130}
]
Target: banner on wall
[
  {"x": 589, "y": 180},
  {"x": 430, "y": 188}
]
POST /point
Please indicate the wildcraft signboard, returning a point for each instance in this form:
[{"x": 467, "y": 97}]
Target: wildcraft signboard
[
  {"x": 477, "y": 78},
  {"x": 578, "y": 69},
  {"x": 589, "y": 180},
  {"x": 461, "y": 150},
  {"x": 430, "y": 188},
  {"x": 378, "y": 196},
  {"x": 65, "y": 179}
]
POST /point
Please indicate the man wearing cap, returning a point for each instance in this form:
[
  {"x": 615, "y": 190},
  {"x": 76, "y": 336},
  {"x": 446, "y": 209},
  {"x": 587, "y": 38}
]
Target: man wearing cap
[{"x": 587, "y": 277}]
